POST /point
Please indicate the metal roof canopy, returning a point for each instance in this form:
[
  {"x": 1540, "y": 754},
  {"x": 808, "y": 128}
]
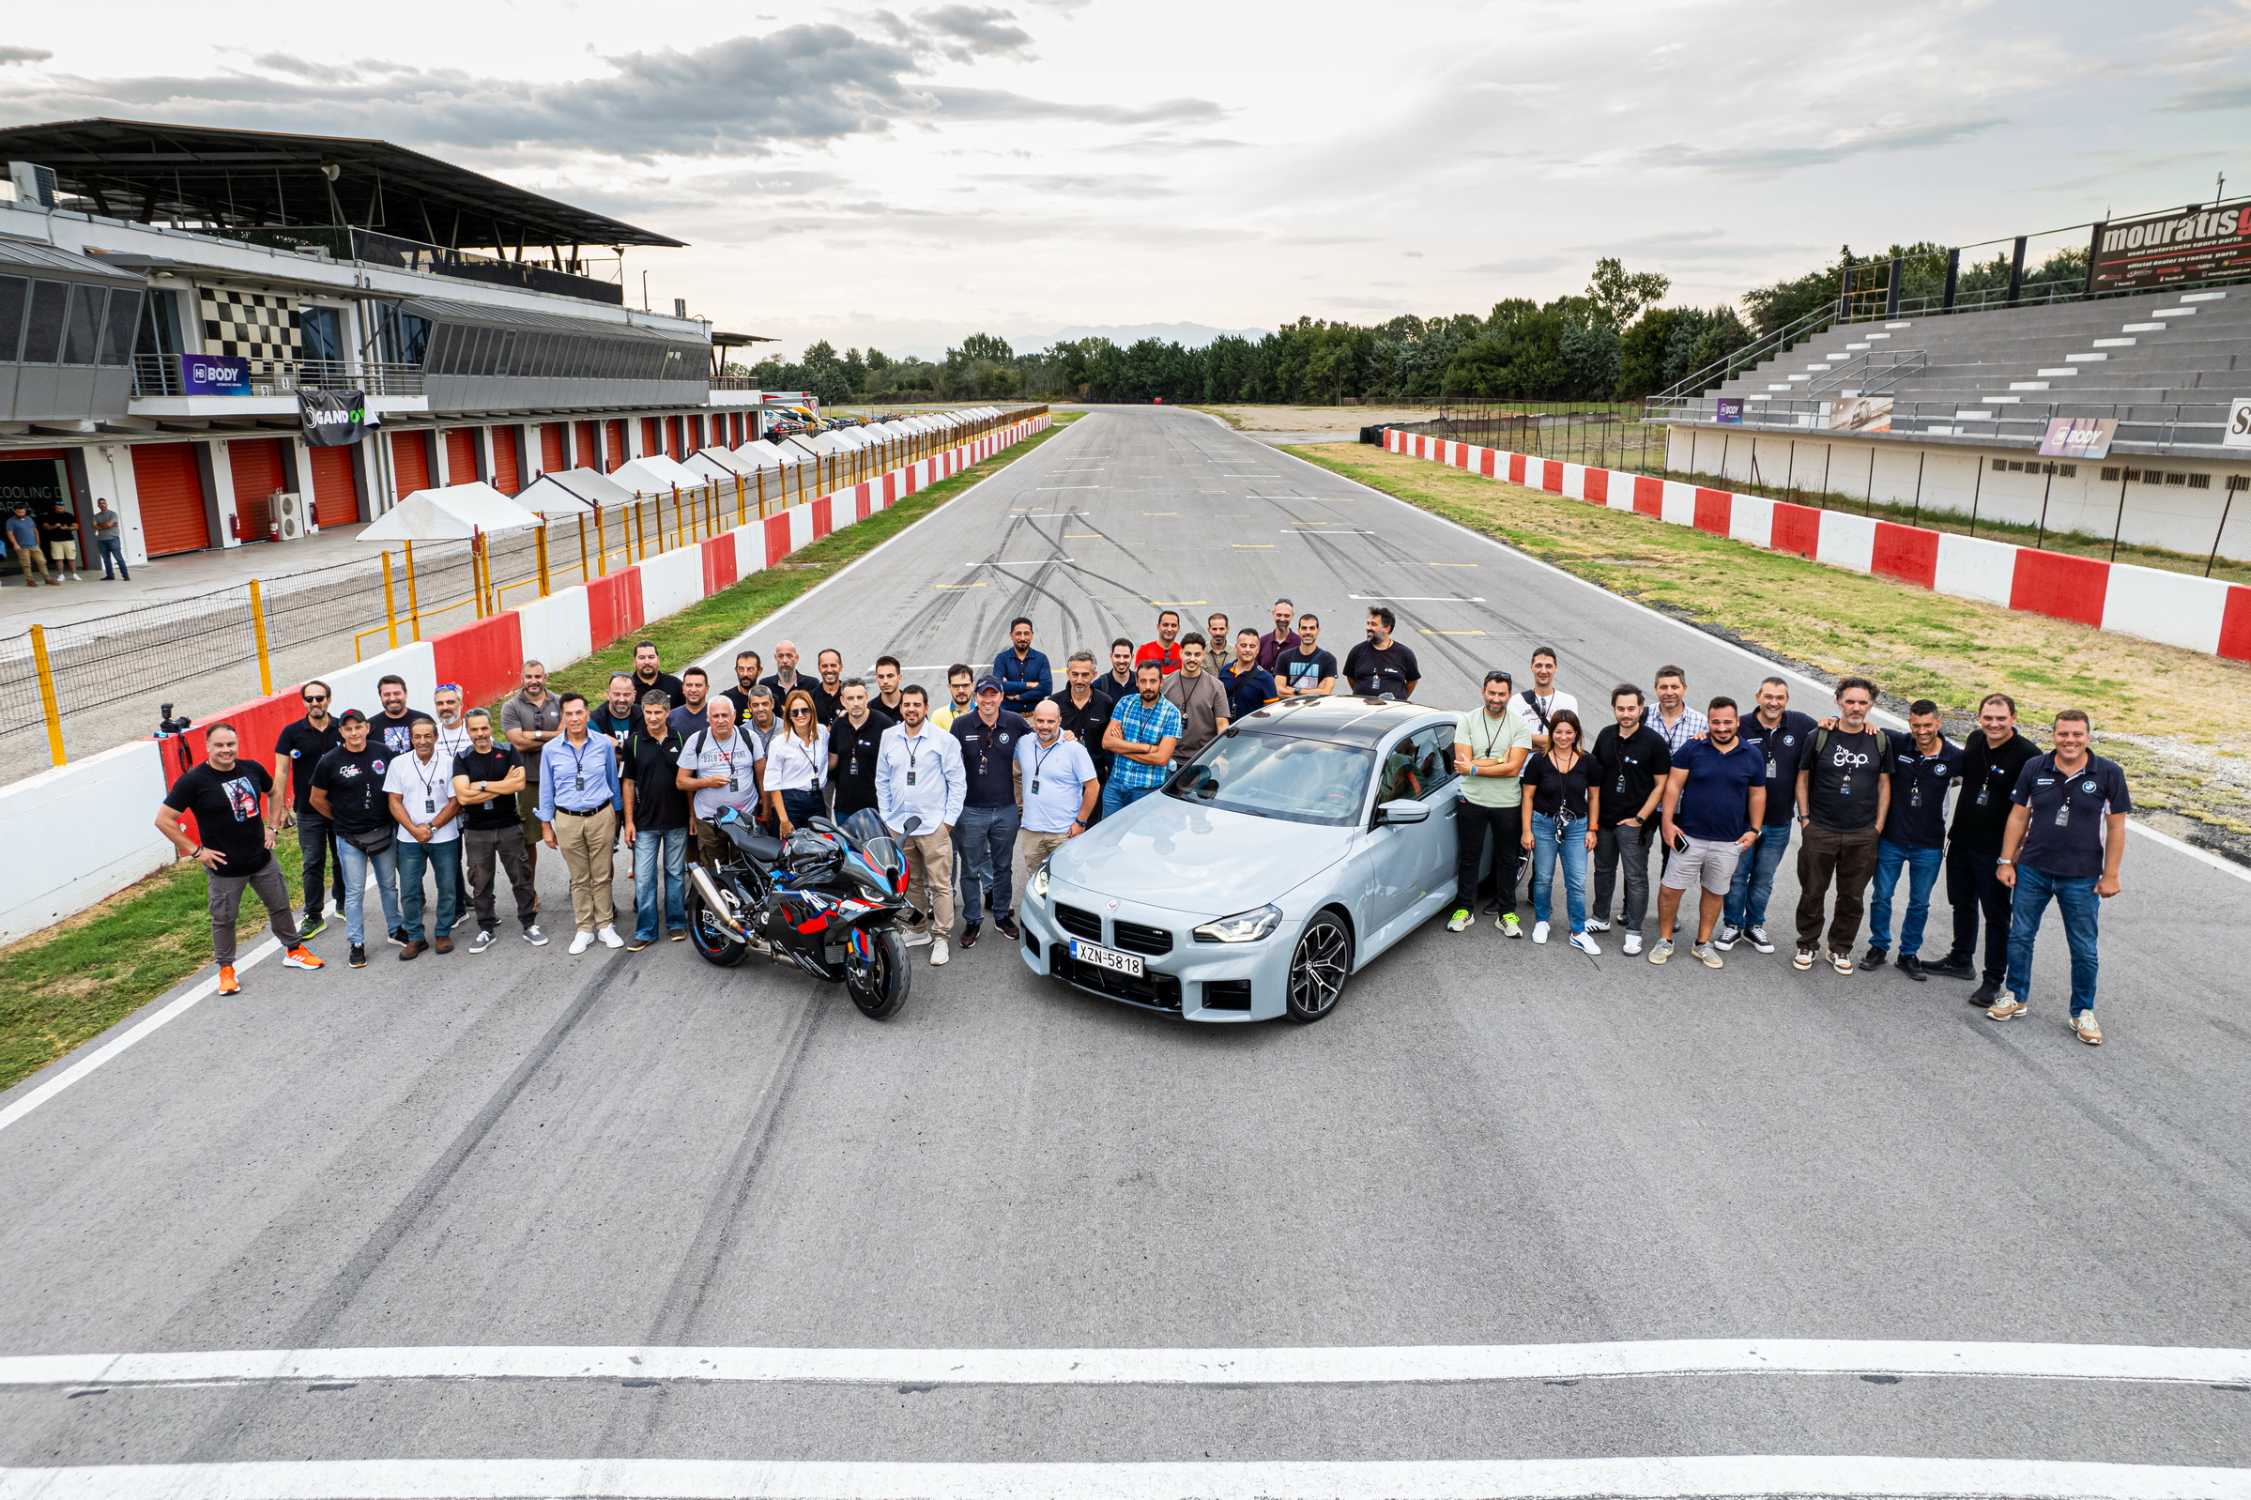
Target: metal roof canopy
[
  {"x": 488, "y": 315},
  {"x": 149, "y": 171},
  {"x": 52, "y": 263}
]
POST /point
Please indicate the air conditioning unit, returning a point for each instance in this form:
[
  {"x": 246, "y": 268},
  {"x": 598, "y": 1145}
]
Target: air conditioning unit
[
  {"x": 35, "y": 184},
  {"x": 293, "y": 514}
]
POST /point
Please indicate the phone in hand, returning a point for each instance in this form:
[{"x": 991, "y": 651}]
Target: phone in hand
[{"x": 1680, "y": 842}]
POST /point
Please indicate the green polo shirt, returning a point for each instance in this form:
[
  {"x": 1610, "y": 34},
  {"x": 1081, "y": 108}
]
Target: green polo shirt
[{"x": 1489, "y": 738}]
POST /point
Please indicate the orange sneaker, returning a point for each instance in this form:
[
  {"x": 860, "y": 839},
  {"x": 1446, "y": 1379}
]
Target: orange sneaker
[
  {"x": 228, "y": 984},
  {"x": 301, "y": 957}
]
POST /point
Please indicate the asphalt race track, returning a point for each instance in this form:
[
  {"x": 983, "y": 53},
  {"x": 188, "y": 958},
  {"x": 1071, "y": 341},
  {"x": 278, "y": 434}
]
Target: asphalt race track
[{"x": 560, "y": 1206}]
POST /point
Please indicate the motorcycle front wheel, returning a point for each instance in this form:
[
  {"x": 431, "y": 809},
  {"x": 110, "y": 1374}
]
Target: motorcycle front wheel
[
  {"x": 879, "y": 986},
  {"x": 709, "y": 940}
]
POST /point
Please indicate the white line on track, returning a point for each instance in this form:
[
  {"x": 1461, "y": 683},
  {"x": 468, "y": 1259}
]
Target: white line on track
[
  {"x": 1417, "y": 598},
  {"x": 1432, "y": 1479},
  {"x": 1348, "y": 1365},
  {"x": 1018, "y": 562}
]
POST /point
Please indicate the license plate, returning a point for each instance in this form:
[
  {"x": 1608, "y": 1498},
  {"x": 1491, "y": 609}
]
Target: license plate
[{"x": 1128, "y": 964}]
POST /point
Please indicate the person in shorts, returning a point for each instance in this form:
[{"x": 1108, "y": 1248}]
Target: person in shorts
[{"x": 1715, "y": 803}]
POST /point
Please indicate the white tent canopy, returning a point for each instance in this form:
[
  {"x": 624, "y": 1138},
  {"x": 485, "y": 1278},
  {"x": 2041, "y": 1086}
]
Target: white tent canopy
[
  {"x": 454, "y": 513},
  {"x": 761, "y": 454},
  {"x": 715, "y": 463},
  {"x": 655, "y": 474},
  {"x": 571, "y": 492}
]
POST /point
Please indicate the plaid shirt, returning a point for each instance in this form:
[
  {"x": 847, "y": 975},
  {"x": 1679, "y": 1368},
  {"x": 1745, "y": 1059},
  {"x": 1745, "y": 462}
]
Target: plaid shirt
[
  {"x": 1692, "y": 725},
  {"x": 1143, "y": 725}
]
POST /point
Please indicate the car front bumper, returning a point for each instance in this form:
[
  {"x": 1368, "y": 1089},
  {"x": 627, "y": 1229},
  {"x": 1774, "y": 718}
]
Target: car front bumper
[{"x": 1217, "y": 982}]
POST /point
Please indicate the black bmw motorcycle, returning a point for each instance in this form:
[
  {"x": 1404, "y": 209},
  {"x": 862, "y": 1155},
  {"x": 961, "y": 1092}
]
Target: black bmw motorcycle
[{"x": 828, "y": 900}]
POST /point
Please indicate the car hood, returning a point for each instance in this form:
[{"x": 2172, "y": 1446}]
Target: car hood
[{"x": 1203, "y": 860}]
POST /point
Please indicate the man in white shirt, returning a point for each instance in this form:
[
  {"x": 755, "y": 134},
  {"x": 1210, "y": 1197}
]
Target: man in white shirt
[
  {"x": 919, "y": 775},
  {"x": 453, "y": 743},
  {"x": 1542, "y": 701},
  {"x": 420, "y": 786},
  {"x": 719, "y": 764},
  {"x": 1055, "y": 778}
]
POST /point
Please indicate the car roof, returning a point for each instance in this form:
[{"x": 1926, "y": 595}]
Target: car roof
[{"x": 1346, "y": 721}]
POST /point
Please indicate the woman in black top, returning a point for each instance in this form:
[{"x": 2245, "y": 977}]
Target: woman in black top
[{"x": 1560, "y": 784}]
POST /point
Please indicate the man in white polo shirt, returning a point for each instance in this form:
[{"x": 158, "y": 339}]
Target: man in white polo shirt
[{"x": 1056, "y": 782}]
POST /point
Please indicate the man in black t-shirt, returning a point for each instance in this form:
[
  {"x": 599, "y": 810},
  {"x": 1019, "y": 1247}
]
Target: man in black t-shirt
[
  {"x": 1992, "y": 759},
  {"x": 486, "y": 778},
  {"x": 650, "y": 676},
  {"x": 1304, "y": 670},
  {"x": 1631, "y": 764},
  {"x": 348, "y": 791},
  {"x": 235, "y": 824},
  {"x": 1925, "y": 768},
  {"x": 1085, "y": 706},
  {"x": 656, "y": 823},
  {"x": 392, "y": 729},
  {"x": 1782, "y": 736},
  {"x": 855, "y": 739},
  {"x": 296, "y": 752},
  {"x": 1843, "y": 793},
  {"x": 1380, "y": 666}
]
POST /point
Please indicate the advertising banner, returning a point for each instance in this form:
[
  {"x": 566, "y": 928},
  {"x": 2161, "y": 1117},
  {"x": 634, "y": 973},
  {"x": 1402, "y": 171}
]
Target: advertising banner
[
  {"x": 2078, "y": 437},
  {"x": 1728, "y": 411},
  {"x": 2191, "y": 245},
  {"x": 2238, "y": 434},
  {"x": 332, "y": 418},
  {"x": 214, "y": 375},
  {"x": 1860, "y": 414}
]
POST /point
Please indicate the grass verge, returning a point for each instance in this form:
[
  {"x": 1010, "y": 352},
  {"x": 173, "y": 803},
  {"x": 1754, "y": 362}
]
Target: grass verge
[
  {"x": 80, "y": 977},
  {"x": 2171, "y": 717}
]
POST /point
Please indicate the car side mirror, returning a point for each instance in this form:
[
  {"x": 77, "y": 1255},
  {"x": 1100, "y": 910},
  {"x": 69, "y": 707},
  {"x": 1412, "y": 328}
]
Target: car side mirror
[{"x": 1401, "y": 812}]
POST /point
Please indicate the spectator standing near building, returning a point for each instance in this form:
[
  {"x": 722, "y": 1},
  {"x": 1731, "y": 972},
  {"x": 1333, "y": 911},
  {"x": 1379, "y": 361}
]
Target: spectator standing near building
[
  {"x": 1991, "y": 762},
  {"x": 2066, "y": 840},
  {"x": 1306, "y": 671},
  {"x": 989, "y": 814},
  {"x": 1543, "y": 700},
  {"x": 1025, "y": 677},
  {"x": 649, "y": 676},
  {"x": 348, "y": 792},
  {"x": 23, "y": 536},
  {"x": 1565, "y": 795},
  {"x": 1056, "y": 779},
  {"x": 1165, "y": 649},
  {"x": 695, "y": 705},
  {"x": 1781, "y": 735},
  {"x": 1196, "y": 692},
  {"x": 719, "y": 765},
  {"x": 855, "y": 738},
  {"x": 1925, "y": 767},
  {"x": 486, "y": 782},
  {"x": 656, "y": 822},
  {"x": 1631, "y": 766},
  {"x": 61, "y": 530},
  {"x": 419, "y": 785},
  {"x": 1380, "y": 666},
  {"x": 1491, "y": 744},
  {"x": 1143, "y": 736},
  {"x": 1715, "y": 800},
  {"x": 109, "y": 542},
  {"x": 235, "y": 820},
  {"x": 1843, "y": 797},
  {"x": 1250, "y": 687},
  {"x": 297, "y": 750},
  {"x": 529, "y": 721},
  {"x": 919, "y": 780},
  {"x": 1281, "y": 640},
  {"x": 578, "y": 792}
]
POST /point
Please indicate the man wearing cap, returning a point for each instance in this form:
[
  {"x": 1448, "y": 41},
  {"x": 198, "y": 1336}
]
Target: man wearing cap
[
  {"x": 989, "y": 816},
  {"x": 348, "y": 792}
]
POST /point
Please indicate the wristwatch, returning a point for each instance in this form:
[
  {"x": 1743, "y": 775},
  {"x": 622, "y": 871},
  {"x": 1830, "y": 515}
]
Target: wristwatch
[{"x": 2004, "y": 861}]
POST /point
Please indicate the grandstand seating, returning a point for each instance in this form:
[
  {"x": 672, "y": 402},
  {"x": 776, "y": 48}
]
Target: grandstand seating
[{"x": 2165, "y": 365}]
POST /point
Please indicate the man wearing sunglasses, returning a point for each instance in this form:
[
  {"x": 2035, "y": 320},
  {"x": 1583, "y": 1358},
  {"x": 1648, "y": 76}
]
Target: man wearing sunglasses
[{"x": 297, "y": 750}]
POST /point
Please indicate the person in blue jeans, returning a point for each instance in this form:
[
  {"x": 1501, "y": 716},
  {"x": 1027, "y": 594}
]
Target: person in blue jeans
[
  {"x": 1561, "y": 788},
  {"x": 1925, "y": 767},
  {"x": 656, "y": 823},
  {"x": 420, "y": 787},
  {"x": 2066, "y": 839},
  {"x": 1781, "y": 735},
  {"x": 989, "y": 815},
  {"x": 348, "y": 791}
]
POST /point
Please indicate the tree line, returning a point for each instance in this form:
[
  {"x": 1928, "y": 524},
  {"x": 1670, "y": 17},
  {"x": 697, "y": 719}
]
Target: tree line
[{"x": 1610, "y": 341}]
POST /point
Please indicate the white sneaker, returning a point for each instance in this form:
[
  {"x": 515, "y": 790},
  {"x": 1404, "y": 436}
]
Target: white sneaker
[
  {"x": 609, "y": 937},
  {"x": 1586, "y": 944},
  {"x": 1761, "y": 941},
  {"x": 581, "y": 942},
  {"x": 916, "y": 937},
  {"x": 1596, "y": 924},
  {"x": 938, "y": 953},
  {"x": 1662, "y": 951},
  {"x": 1633, "y": 944},
  {"x": 1539, "y": 932},
  {"x": 1724, "y": 939}
]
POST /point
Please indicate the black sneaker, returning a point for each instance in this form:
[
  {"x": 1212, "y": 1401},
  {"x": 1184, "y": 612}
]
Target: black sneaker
[
  {"x": 969, "y": 934},
  {"x": 1911, "y": 966},
  {"x": 1008, "y": 928},
  {"x": 358, "y": 960},
  {"x": 1873, "y": 959},
  {"x": 1985, "y": 995},
  {"x": 398, "y": 937},
  {"x": 313, "y": 925},
  {"x": 1952, "y": 966}
]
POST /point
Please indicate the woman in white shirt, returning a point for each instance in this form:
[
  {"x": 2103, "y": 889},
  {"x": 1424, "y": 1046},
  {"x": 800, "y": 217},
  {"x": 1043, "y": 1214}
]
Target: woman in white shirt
[{"x": 795, "y": 771}]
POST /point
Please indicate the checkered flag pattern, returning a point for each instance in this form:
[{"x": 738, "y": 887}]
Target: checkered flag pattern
[{"x": 258, "y": 326}]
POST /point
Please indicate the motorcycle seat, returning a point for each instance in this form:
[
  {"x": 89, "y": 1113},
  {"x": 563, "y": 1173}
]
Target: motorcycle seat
[{"x": 763, "y": 848}]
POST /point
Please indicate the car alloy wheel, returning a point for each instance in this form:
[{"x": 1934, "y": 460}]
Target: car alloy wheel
[{"x": 1318, "y": 968}]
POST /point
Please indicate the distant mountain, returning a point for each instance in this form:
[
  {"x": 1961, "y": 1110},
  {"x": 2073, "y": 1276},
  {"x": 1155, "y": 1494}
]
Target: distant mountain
[{"x": 1187, "y": 335}]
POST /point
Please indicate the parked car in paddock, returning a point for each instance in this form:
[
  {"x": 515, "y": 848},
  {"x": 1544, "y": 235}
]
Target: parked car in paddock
[{"x": 1297, "y": 847}]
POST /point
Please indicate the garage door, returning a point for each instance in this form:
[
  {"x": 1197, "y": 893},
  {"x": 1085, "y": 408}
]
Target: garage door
[
  {"x": 507, "y": 469},
  {"x": 551, "y": 448},
  {"x": 672, "y": 431},
  {"x": 589, "y": 445},
  {"x": 652, "y": 435},
  {"x": 461, "y": 455},
  {"x": 410, "y": 462},
  {"x": 171, "y": 491},
  {"x": 258, "y": 471},
  {"x": 336, "y": 496},
  {"x": 613, "y": 449}
]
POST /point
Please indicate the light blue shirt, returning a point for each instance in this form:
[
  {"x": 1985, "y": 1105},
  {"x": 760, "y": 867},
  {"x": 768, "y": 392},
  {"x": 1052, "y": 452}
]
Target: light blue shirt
[
  {"x": 577, "y": 778},
  {"x": 1055, "y": 780}
]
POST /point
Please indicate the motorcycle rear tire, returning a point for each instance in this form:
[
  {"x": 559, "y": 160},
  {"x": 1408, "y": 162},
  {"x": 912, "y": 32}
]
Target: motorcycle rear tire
[
  {"x": 881, "y": 989},
  {"x": 711, "y": 944}
]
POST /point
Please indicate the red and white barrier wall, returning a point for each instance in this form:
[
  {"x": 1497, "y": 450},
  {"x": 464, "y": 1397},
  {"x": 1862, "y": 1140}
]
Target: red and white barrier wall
[
  {"x": 2178, "y": 609},
  {"x": 93, "y": 820}
]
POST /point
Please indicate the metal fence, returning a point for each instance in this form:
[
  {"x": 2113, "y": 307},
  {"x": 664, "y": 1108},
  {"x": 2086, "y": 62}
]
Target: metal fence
[{"x": 1607, "y": 434}]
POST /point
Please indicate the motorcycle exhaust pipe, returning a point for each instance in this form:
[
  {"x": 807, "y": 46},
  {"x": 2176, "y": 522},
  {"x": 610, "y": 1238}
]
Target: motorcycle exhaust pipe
[{"x": 715, "y": 902}]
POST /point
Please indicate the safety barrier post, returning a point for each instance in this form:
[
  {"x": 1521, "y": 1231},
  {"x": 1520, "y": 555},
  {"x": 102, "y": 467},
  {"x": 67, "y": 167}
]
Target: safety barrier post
[
  {"x": 48, "y": 706},
  {"x": 602, "y": 549},
  {"x": 761, "y": 478},
  {"x": 539, "y": 551},
  {"x": 742, "y": 517},
  {"x": 413, "y": 598},
  {"x": 390, "y": 602},
  {"x": 258, "y": 633}
]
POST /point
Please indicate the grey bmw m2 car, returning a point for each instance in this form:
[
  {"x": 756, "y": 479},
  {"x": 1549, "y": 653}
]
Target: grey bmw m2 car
[{"x": 1300, "y": 844}]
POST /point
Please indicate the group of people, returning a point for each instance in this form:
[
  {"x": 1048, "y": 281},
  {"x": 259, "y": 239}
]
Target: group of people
[
  {"x": 43, "y": 543},
  {"x": 433, "y": 807}
]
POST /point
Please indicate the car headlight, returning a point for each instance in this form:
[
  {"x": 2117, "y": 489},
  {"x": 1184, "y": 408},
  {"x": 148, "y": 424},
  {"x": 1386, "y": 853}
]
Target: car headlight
[
  {"x": 1039, "y": 883},
  {"x": 1243, "y": 927}
]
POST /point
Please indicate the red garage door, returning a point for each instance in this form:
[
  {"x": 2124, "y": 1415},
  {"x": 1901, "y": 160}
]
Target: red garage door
[
  {"x": 672, "y": 432},
  {"x": 589, "y": 445},
  {"x": 613, "y": 443},
  {"x": 258, "y": 472},
  {"x": 336, "y": 498},
  {"x": 695, "y": 434},
  {"x": 410, "y": 462},
  {"x": 551, "y": 447},
  {"x": 461, "y": 455},
  {"x": 507, "y": 472},
  {"x": 171, "y": 490},
  {"x": 652, "y": 435}
]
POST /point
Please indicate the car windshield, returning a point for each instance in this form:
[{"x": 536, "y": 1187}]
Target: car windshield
[{"x": 1278, "y": 776}]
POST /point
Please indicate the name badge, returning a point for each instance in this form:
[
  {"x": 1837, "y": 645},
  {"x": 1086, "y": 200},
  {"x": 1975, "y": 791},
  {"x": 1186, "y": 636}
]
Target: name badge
[
  {"x": 429, "y": 804},
  {"x": 2063, "y": 813},
  {"x": 1035, "y": 786},
  {"x": 910, "y": 778}
]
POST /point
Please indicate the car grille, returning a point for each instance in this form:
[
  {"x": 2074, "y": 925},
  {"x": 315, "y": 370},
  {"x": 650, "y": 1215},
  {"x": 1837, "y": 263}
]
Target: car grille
[
  {"x": 1135, "y": 938},
  {"x": 1227, "y": 994},
  {"x": 1155, "y": 991},
  {"x": 1078, "y": 922}
]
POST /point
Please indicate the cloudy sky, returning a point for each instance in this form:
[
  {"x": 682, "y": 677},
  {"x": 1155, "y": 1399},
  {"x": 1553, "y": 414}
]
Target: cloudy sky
[{"x": 900, "y": 176}]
